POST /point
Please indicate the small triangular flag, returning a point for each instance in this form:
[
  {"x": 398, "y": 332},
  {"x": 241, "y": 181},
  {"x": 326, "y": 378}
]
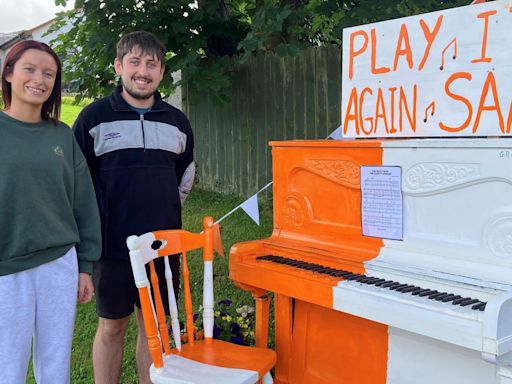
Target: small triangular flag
[
  {"x": 217, "y": 240},
  {"x": 250, "y": 206},
  {"x": 337, "y": 134}
]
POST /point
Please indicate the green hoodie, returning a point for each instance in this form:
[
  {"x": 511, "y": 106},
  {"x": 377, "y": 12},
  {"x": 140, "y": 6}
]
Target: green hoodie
[{"x": 47, "y": 200}]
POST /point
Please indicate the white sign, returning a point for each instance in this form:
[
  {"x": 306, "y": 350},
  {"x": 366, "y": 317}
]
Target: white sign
[
  {"x": 445, "y": 73},
  {"x": 381, "y": 202}
]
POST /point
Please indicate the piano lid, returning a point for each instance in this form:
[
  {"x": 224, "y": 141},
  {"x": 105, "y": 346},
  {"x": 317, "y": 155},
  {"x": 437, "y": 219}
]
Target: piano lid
[{"x": 457, "y": 205}]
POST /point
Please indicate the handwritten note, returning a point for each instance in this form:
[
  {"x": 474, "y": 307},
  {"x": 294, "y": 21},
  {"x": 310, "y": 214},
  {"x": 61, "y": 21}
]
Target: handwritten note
[{"x": 381, "y": 202}]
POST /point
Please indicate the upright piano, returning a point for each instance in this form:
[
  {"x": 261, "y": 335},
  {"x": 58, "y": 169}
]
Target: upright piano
[{"x": 434, "y": 307}]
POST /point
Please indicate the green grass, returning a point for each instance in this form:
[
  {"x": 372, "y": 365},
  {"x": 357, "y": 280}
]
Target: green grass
[
  {"x": 69, "y": 113},
  {"x": 235, "y": 228}
]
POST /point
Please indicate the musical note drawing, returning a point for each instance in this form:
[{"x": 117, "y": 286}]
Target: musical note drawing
[
  {"x": 454, "y": 43},
  {"x": 431, "y": 106}
]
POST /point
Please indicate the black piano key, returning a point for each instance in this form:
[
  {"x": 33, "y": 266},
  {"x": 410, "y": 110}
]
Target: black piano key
[
  {"x": 469, "y": 301},
  {"x": 427, "y": 292},
  {"x": 448, "y": 298},
  {"x": 442, "y": 296},
  {"x": 388, "y": 283},
  {"x": 479, "y": 306},
  {"x": 460, "y": 300},
  {"x": 352, "y": 276},
  {"x": 422, "y": 290},
  {"x": 412, "y": 289},
  {"x": 373, "y": 280},
  {"x": 395, "y": 287},
  {"x": 434, "y": 295},
  {"x": 402, "y": 289},
  {"x": 341, "y": 273}
]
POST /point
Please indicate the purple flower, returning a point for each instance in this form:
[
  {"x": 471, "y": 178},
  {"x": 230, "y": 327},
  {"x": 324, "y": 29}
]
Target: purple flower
[
  {"x": 225, "y": 302},
  {"x": 237, "y": 340},
  {"x": 235, "y": 329},
  {"x": 195, "y": 316},
  {"x": 216, "y": 331}
]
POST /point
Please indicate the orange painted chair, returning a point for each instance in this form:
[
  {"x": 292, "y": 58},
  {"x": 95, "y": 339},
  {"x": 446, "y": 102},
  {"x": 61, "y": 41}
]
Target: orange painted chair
[{"x": 207, "y": 361}]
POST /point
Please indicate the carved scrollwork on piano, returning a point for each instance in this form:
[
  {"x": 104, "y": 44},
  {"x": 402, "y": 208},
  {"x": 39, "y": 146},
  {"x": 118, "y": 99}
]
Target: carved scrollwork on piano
[
  {"x": 431, "y": 177},
  {"x": 498, "y": 236},
  {"x": 344, "y": 172},
  {"x": 298, "y": 210}
]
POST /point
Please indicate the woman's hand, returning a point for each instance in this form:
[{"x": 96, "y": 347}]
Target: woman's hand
[{"x": 85, "y": 288}]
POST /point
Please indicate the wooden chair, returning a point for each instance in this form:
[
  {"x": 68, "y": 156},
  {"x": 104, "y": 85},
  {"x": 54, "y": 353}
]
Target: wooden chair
[{"x": 207, "y": 361}]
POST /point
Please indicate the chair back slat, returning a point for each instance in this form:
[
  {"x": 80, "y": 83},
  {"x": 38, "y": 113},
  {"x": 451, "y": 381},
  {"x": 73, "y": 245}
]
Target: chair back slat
[
  {"x": 187, "y": 296},
  {"x": 173, "y": 305},
  {"x": 208, "y": 296},
  {"x": 160, "y": 312}
]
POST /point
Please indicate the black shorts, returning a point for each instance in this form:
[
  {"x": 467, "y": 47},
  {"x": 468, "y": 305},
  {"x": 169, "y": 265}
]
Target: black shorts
[{"x": 116, "y": 293}]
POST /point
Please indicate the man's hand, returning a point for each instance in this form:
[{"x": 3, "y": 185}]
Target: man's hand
[{"x": 85, "y": 288}]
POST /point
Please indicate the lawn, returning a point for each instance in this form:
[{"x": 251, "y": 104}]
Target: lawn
[{"x": 235, "y": 228}]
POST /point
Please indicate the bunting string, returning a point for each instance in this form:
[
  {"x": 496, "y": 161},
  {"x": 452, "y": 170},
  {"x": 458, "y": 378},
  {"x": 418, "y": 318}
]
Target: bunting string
[{"x": 251, "y": 207}]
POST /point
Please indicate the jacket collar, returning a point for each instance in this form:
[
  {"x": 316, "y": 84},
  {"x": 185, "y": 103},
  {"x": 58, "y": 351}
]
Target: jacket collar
[{"x": 119, "y": 104}]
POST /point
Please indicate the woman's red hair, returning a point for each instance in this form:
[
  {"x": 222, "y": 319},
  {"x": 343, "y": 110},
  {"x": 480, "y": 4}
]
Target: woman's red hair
[{"x": 51, "y": 107}]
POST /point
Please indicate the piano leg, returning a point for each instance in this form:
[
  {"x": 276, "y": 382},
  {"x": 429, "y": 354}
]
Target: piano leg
[
  {"x": 283, "y": 337},
  {"x": 262, "y": 319}
]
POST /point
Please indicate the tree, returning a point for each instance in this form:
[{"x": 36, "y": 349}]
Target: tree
[{"x": 209, "y": 38}]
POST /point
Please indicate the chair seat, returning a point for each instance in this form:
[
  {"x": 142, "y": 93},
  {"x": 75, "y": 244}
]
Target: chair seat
[
  {"x": 229, "y": 355},
  {"x": 180, "y": 370}
]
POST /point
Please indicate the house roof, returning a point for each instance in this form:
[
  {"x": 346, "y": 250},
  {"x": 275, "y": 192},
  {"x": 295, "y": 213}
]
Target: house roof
[{"x": 9, "y": 39}]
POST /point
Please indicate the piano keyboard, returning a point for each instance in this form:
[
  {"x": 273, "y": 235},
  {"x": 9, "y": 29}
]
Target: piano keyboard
[{"x": 414, "y": 290}]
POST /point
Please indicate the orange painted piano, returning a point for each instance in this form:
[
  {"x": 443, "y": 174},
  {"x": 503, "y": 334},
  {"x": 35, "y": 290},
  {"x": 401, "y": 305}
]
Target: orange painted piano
[{"x": 431, "y": 307}]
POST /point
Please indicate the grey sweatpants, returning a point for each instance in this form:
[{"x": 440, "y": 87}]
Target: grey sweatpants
[{"x": 38, "y": 305}]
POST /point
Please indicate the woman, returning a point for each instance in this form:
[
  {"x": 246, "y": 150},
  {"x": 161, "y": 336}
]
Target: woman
[{"x": 49, "y": 223}]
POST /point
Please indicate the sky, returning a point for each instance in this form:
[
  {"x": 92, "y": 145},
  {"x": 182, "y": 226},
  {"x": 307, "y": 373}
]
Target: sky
[{"x": 16, "y": 15}]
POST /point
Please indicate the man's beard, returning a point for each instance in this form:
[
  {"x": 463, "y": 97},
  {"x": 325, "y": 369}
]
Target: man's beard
[{"x": 137, "y": 95}]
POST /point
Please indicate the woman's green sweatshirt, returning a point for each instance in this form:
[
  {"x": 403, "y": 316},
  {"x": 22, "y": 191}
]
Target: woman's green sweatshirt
[{"x": 47, "y": 200}]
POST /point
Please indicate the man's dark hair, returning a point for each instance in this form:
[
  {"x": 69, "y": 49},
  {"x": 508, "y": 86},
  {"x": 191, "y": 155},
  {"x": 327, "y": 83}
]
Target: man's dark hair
[{"x": 145, "y": 41}]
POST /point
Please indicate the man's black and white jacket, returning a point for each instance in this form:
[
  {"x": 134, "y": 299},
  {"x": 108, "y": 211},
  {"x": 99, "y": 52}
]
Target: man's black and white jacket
[{"x": 142, "y": 167}]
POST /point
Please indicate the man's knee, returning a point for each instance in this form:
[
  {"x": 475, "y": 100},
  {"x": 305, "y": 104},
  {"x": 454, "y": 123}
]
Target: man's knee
[{"x": 112, "y": 331}]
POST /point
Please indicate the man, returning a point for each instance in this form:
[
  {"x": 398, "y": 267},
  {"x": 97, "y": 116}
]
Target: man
[{"x": 139, "y": 151}]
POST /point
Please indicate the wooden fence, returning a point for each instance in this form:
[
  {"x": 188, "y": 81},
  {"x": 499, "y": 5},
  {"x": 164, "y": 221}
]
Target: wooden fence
[{"x": 273, "y": 98}]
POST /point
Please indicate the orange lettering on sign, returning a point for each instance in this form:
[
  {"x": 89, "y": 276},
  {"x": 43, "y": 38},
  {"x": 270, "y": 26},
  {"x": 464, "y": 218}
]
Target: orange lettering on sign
[
  {"x": 403, "y": 39},
  {"x": 361, "y": 103},
  {"x": 392, "y": 91},
  {"x": 351, "y": 115},
  {"x": 353, "y": 52},
  {"x": 490, "y": 83},
  {"x": 380, "y": 112},
  {"x": 374, "y": 68},
  {"x": 509, "y": 120},
  {"x": 462, "y": 99},
  {"x": 485, "y": 16},
  {"x": 430, "y": 37},
  {"x": 402, "y": 106}
]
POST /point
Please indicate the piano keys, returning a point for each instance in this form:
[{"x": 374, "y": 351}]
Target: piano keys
[{"x": 434, "y": 307}]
